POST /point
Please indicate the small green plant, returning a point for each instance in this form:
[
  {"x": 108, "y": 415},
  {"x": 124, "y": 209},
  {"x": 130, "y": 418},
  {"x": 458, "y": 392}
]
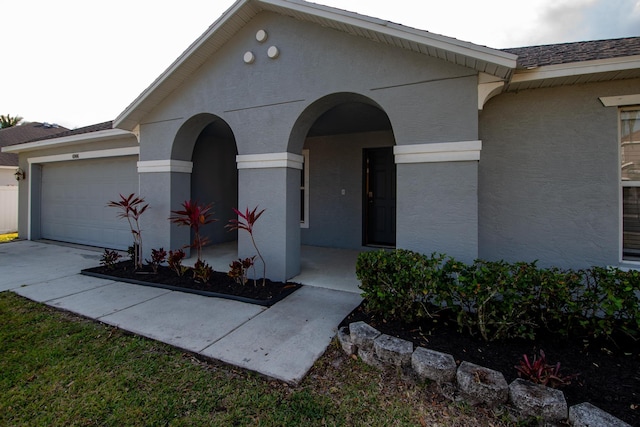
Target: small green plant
[
  {"x": 540, "y": 372},
  {"x": 238, "y": 270},
  {"x": 194, "y": 216},
  {"x": 174, "y": 260},
  {"x": 202, "y": 271},
  {"x": 132, "y": 207},
  {"x": 158, "y": 256},
  {"x": 131, "y": 252},
  {"x": 247, "y": 221},
  {"x": 109, "y": 258}
]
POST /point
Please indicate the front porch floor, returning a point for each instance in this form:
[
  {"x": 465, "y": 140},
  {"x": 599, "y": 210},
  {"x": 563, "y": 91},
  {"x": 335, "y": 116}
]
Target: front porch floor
[{"x": 321, "y": 267}]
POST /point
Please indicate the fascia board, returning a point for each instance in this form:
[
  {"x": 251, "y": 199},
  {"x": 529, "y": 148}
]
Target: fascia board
[
  {"x": 576, "y": 69},
  {"x": 123, "y": 121},
  {"x": 68, "y": 140},
  {"x": 437, "y": 41},
  {"x": 481, "y": 53}
]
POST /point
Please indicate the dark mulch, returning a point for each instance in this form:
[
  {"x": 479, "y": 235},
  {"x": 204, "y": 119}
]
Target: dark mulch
[
  {"x": 609, "y": 373},
  {"x": 219, "y": 283}
]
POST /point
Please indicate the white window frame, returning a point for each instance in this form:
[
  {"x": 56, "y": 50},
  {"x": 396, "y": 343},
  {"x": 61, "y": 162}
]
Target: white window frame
[
  {"x": 304, "y": 222},
  {"x": 621, "y": 108}
]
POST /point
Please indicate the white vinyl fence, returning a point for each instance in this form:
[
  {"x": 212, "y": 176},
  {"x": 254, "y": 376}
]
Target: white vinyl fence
[{"x": 8, "y": 208}]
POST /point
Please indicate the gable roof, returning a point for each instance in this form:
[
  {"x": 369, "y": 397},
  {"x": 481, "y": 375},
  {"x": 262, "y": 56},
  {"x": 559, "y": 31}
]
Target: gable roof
[
  {"x": 23, "y": 133},
  {"x": 486, "y": 60},
  {"x": 575, "y": 63}
]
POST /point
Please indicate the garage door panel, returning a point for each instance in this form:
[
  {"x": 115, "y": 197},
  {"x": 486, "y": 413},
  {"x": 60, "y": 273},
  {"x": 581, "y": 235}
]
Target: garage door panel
[{"x": 75, "y": 196}]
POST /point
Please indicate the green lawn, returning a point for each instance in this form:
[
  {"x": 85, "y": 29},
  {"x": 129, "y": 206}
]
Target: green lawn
[
  {"x": 8, "y": 237},
  {"x": 60, "y": 369}
]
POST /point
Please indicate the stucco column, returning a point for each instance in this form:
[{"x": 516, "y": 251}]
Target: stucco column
[
  {"x": 272, "y": 182},
  {"x": 164, "y": 184},
  {"x": 437, "y": 198}
]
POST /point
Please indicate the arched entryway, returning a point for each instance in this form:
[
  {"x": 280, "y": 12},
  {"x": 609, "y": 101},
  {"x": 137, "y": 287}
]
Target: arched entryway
[
  {"x": 209, "y": 144},
  {"x": 348, "y": 183}
]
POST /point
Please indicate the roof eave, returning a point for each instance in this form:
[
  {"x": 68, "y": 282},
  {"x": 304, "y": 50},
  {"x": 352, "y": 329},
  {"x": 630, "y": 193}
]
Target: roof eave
[
  {"x": 562, "y": 72},
  {"x": 68, "y": 140},
  {"x": 128, "y": 120},
  {"x": 483, "y": 59},
  {"x": 452, "y": 45}
]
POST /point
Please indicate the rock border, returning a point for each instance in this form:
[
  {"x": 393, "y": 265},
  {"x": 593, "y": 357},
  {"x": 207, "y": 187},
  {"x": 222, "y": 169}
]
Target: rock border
[{"x": 473, "y": 383}]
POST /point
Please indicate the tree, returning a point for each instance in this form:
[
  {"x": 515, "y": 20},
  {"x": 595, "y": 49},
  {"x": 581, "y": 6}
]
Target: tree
[{"x": 8, "y": 121}]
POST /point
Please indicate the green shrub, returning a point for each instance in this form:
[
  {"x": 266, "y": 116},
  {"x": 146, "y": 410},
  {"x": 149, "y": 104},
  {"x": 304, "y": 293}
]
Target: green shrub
[
  {"x": 498, "y": 300},
  {"x": 610, "y": 301},
  {"x": 494, "y": 299},
  {"x": 398, "y": 284}
]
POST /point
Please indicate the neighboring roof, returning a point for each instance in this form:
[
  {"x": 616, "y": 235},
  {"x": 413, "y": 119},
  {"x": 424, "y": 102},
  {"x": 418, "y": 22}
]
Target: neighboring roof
[
  {"x": 23, "y": 133},
  {"x": 575, "y": 63},
  {"x": 78, "y": 131},
  {"x": 87, "y": 134},
  {"x": 563, "y": 53},
  {"x": 483, "y": 59}
]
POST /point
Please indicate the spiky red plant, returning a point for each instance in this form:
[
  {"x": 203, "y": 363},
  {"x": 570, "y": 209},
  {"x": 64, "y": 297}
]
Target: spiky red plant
[
  {"x": 194, "y": 216},
  {"x": 132, "y": 207},
  {"x": 246, "y": 221}
]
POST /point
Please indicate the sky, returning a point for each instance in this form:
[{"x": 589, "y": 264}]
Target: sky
[{"x": 79, "y": 62}]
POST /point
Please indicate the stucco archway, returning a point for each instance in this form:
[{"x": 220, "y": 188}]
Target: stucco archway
[
  {"x": 208, "y": 142},
  {"x": 339, "y": 135}
]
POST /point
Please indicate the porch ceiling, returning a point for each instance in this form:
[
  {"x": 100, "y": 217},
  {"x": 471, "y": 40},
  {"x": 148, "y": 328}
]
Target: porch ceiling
[
  {"x": 480, "y": 58},
  {"x": 350, "y": 118}
]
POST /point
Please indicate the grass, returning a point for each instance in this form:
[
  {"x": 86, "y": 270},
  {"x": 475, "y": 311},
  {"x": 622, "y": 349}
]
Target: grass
[
  {"x": 4, "y": 238},
  {"x": 60, "y": 369}
]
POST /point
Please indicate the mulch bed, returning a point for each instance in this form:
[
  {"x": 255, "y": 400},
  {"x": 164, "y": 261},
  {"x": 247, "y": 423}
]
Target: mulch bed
[
  {"x": 609, "y": 373},
  {"x": 219, "y": 285}
]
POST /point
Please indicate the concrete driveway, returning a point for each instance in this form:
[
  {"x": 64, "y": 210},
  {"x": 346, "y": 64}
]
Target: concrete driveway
[{"x": 282, "y": 341}]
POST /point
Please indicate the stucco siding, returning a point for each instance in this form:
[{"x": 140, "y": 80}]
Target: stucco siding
[
  {"x": 277, "y": 231},
  {"x": 427, "y": 99},
  {"x": 437, "y": 208},
  {"x": 548, "y": 176},
  {"x": 335, "y": 164},
  {"x": 215, "y": 180}
]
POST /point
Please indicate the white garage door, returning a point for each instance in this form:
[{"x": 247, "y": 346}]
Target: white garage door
[{"x": 75, "y": 197}]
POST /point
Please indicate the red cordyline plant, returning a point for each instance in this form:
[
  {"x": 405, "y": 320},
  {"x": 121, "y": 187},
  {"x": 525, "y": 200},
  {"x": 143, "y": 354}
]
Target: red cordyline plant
[
  {"x": 132, "y": 207},
  {"x": 194, "y": 216},
  {"x": 238, "y": 270},
  {"x": 540, "y": 372},
  {"x": 246, "y": 221}
]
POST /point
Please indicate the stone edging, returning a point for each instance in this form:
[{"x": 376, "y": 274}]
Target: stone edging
[{"x": 474, "y": 383}]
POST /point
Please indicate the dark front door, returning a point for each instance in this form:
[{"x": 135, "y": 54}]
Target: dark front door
[{"x": 380, "y": 197}]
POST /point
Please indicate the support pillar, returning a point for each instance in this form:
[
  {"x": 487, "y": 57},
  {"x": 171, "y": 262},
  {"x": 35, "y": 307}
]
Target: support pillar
[
  {"x": 272, "y": 182},
  {"x": 437, "y": 198},
  {"x": 164, "y": 184}
]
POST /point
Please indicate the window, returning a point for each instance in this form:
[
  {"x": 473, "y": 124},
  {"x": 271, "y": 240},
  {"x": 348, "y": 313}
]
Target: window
[
  {"x": 304, "y": 191},
  {"x": 630, "y": 176}
]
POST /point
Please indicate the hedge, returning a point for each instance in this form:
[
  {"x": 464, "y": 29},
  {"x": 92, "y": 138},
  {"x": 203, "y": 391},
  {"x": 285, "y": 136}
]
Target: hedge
[{"x": 496, "y": 299}]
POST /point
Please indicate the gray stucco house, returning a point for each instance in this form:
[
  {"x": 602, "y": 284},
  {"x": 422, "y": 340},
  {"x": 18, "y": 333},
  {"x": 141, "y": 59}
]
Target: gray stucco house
[{"x": 354, "y": 132}]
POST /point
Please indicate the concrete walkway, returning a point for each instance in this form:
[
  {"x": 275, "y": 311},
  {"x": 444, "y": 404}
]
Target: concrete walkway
[{"x": 282, "y": 341}]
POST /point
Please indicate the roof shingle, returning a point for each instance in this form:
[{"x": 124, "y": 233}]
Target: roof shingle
[
  {"x": 564, "y": 53},
  {"x": 24, "y": 133}
]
